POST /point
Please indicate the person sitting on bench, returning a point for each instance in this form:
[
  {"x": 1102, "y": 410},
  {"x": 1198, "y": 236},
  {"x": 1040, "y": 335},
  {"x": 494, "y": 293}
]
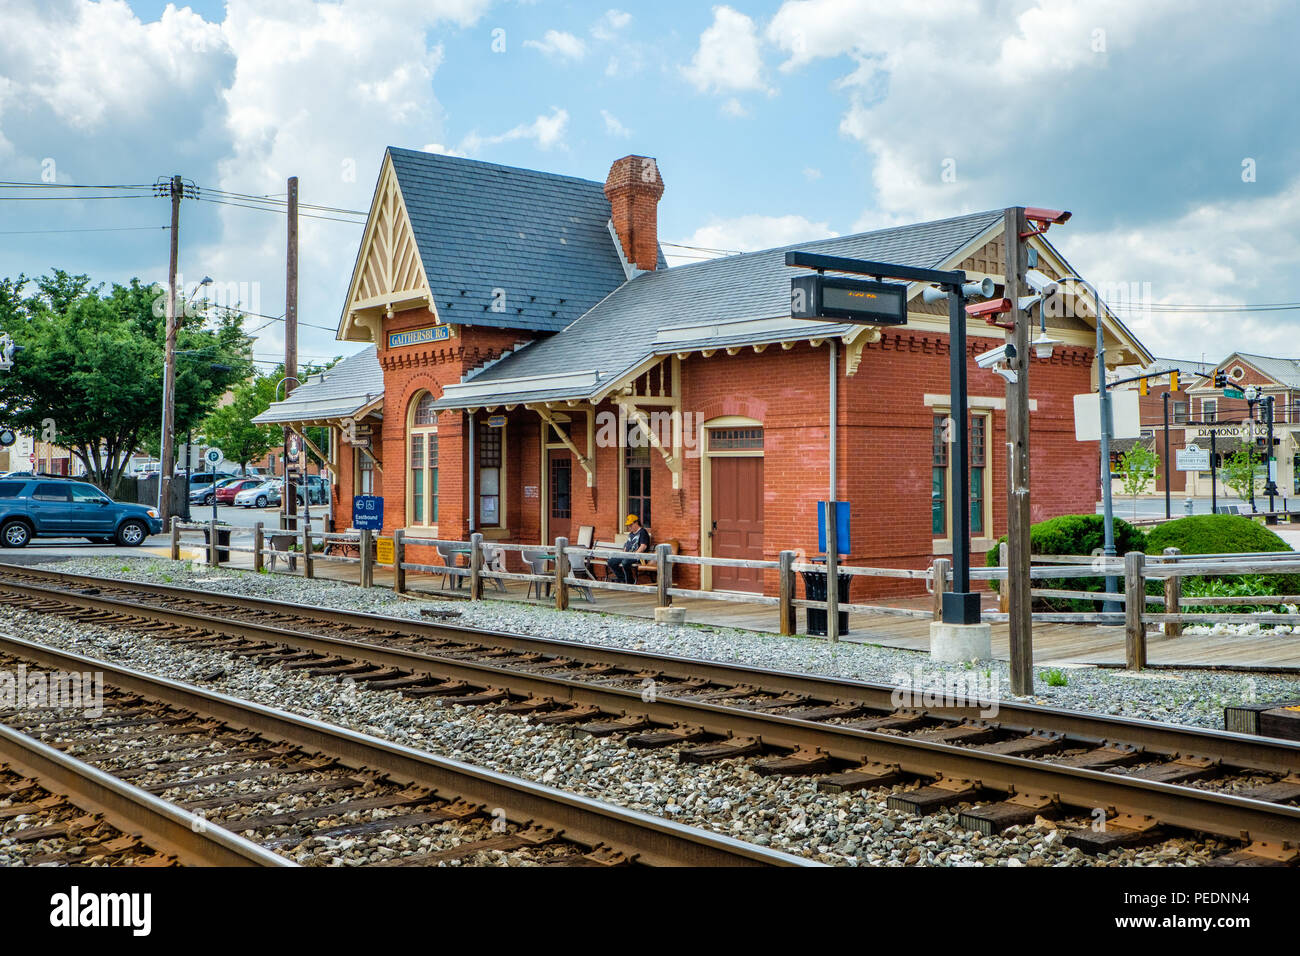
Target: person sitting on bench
[{"x": 638, "y": 542}]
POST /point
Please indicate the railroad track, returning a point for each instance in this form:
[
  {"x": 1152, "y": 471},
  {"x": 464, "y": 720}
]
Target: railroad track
[
  {"x": 1134, "y": 780},
  {"x": 205, "y": 778}
]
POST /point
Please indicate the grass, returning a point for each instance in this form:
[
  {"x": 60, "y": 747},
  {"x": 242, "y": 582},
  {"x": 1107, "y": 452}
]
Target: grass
[{"x": 1055, "y": 678}]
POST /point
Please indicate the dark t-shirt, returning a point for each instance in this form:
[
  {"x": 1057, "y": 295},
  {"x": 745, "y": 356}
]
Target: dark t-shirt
[{"x": 636, "y": 540}]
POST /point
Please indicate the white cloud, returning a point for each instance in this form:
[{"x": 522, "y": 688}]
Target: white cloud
[
  {"x": 612, "y": 126},
  {"x": 547, "y": 130},
  {"x": 278, "y": 88},
  {"x": 441, "y": 149},
  {"x": 728, "y": 58},
  {"x": 608, "y": 26},
  {"x": 749, "y": 233},
  {"x": 559, "y": 45},
  {"x": 733, "y": 107},
  {"x": 1222, "y": 253},
  {"x": 811, "y": 173}
]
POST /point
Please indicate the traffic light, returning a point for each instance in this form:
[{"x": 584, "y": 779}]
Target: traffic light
[
  {"x": 1142, "y": 387},
  {"x": 1173, "y": 380},
  {"x": 1220, "y": 379}
]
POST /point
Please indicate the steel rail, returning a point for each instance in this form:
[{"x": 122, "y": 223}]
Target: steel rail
[
  {"x": 648, "y": 839},
  {"x": 1238, "y": 750},
  {"x": 1227, "y": 815},
  {"x": 163, "y": 826}
]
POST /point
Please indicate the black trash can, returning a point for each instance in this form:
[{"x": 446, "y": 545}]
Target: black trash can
[
  {"x": 223, "y": 544},
  {"x": 814, "y": 585}
]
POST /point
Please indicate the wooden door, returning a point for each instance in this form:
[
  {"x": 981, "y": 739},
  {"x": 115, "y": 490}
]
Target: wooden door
[
  {"x": 737, "y": 485},
  {"x": 561, "y": 494}
]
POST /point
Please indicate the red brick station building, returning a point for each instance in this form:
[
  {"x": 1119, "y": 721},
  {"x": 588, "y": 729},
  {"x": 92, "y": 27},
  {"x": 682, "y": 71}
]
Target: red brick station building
[{"x": 534, "y": 366}]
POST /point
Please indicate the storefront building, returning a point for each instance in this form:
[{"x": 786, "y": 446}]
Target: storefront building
[{"x": 533, "y": 369}]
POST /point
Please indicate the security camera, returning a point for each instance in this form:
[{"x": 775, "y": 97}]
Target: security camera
[
  {"x": 995, "y": 357},
  {"x": 1041, "y": 283}
]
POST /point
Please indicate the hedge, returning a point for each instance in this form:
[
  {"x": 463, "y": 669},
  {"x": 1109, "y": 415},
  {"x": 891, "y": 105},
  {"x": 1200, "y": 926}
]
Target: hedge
[
  {"x": 1073, "y": 534},
  {"x": 1222, "y": 534}
]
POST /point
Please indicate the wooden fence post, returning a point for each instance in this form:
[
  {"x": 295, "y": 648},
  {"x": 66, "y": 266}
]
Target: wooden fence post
[
  {"x": 561, "y": 589},
  {"x": 1173, "y": 599},
  {"x": 940, "y": 582},
  {"x": 663, "y": 574},
  {"x": 785, "y": 593},
  {"x": 1135, "y": 639},
  {"x": 212, "y": 544},
  {"x": 176, "y": 538},
  {"x": 307, "y": 570},
  {"x": 476, "y": 567},
  {"x": 259, "y": 543},
  {"x": 1004, "y": 586},
  {"x": 367, "y": 558},
  {"x": 399, "y": 555}
]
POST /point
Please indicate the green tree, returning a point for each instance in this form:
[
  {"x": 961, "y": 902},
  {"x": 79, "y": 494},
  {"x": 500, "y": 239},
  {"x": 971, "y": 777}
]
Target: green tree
[
  {"x": 231, "y": 428},
  {"x": 89, "y": 376},
  {"x": 1137, "y": 468},
  {"x": 1238, "y": 472}
]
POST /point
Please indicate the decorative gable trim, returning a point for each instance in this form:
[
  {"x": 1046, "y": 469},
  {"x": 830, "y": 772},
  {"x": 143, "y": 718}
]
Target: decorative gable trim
[{"x": 389, "y": 273}]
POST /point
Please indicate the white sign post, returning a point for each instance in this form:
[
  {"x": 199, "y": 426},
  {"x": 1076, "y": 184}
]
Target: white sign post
[
  {"x": 213, "y": 457},
  {"x": 1125, "y": 420},
  {"x": 1192, "y": 458}
]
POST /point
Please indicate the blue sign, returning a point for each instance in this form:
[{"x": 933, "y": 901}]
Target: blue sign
[
  {"x": 435, "y": 333},
  {"x": 368, "y": 512},
  {"x": 841, "y": 527}
]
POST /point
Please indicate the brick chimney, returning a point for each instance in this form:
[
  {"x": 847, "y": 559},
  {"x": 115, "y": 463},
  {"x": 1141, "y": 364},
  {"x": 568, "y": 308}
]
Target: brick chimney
[{"x": 633, "y": 188}]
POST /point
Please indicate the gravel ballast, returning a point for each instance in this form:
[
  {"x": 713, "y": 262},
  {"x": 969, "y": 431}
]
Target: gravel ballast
[
  {"x": 1193, "y": 697},
  {"x": 728, "y": 797}
]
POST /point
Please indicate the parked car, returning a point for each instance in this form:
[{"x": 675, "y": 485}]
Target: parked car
[
  {"x": 318, "y": 489},
  {"x": 227, "y": 490},
  {"x": 60, "y": 508},
  {"x": 259, "y": 496},
  {"x": 204, "y": 493}
]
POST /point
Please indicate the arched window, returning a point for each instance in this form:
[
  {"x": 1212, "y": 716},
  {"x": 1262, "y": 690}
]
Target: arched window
[{"x": 422, "y": 462}]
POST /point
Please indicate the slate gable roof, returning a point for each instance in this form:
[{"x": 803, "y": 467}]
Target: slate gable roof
[
  {"x": 542, "y": 238},
  {"x": 338, "y": 392},
  {"x": 1284, "y": 371},
  {"x": 636, "y": 320}
]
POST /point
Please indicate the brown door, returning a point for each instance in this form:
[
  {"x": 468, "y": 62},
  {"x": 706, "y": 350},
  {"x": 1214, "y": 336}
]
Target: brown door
[
  {"x": 737, "y": 520},
  {"x": 561, "y": 488}
]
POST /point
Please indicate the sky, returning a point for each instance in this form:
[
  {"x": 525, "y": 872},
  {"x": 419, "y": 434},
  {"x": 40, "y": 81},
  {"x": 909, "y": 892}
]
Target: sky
[{"x": 1167, "y": 127}]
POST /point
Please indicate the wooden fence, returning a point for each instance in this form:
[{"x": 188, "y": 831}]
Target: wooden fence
[{"x": 483, "y": 576}]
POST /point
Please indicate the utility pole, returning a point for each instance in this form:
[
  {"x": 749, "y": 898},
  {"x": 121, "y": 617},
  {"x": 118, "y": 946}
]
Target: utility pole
[
  {"x": 166, "y": 453},
  {"x": 1018, "y": 515},
  {"x": 291, "y": 349},
  {"x": 1165, "y": 397}
]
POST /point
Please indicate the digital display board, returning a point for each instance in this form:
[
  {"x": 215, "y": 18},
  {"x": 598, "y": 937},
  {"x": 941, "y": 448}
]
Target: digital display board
[{"x": 848, "y": 300}]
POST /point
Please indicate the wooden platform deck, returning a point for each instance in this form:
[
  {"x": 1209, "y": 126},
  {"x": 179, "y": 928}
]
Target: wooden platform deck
[{"x": 1055, "y": 645}]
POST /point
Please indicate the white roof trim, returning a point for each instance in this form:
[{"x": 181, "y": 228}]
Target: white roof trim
[
  {"x": 530, "y": 383},
  {"x": 718, "y": 330}
]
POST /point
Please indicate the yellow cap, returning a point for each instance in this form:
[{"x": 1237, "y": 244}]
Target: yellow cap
[{"x": 632, "y": 519}]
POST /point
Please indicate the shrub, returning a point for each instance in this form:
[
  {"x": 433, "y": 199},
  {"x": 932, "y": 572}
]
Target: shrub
[
  {"x": 1073, "y": 534},
  {"x": 1246, "y": 585},
  {"x": 1223, "y": 534}
]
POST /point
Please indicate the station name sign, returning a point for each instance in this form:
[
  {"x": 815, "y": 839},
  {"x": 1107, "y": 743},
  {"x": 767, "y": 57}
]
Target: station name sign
[
  {"x": 849, "y": 300},
  {"x": 434, "y": 333}
]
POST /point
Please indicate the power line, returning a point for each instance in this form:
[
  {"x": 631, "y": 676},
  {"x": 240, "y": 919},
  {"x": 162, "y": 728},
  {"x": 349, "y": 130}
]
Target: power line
[
  {"x": 45, "y": 232},
  {"x": 1192, "y": 308}
]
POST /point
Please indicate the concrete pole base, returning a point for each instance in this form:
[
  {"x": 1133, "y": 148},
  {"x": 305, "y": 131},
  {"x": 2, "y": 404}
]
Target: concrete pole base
[
  {"x": 961, "y": 642},
  {"x": 670, "y": 615}
]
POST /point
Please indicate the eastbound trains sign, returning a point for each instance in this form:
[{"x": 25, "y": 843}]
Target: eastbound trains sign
[{"x": 848, "y": 300}]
